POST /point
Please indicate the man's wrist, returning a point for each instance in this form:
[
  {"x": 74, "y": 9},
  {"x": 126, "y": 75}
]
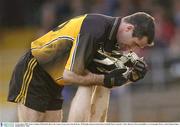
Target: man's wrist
[{"x": 98, "y": 79}]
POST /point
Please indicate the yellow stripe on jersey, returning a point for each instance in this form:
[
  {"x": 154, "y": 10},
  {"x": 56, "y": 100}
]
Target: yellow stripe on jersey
[
  {"x": 53, "y": 41},
  {"x": 70, "y": 61},
  {"x": 26, "y": 78},
  {"x": 71, "y": 58}
]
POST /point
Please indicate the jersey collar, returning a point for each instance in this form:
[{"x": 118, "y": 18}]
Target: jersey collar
[
  {"x": 111, "y": 42},
  {"x": 114, "y": 29}
]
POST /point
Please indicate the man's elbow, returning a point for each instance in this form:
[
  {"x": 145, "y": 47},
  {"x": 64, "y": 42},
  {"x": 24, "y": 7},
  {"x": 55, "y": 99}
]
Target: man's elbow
[
  {"x": 67, "y": 76},
  {"x": 72, "y": 77}
]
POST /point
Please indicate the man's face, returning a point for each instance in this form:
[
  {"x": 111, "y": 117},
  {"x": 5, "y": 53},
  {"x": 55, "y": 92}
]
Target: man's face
[
  {"x": 133, "y": 43},
  {"x": 127, "y": 42}
]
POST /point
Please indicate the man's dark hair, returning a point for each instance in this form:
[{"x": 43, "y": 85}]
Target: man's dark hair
[{"x": 144, "y": 25}]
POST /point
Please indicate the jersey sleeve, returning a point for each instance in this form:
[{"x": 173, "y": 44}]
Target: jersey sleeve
[
  {"x": 81, "y": 53},
  {"x": 86, "y": 44}
]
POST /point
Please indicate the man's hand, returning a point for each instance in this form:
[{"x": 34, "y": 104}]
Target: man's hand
[
  {"x": 139, "y": 71},
  {"x": 101, "y": 64},
  {"x": 115, "y": 78}
]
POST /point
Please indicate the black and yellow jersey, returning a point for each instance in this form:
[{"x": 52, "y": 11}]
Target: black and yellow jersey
[{"x": 73, "y": 44}]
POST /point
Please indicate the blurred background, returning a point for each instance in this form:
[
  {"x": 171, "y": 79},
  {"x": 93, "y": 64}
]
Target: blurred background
[{"x": 154, "y": 99}]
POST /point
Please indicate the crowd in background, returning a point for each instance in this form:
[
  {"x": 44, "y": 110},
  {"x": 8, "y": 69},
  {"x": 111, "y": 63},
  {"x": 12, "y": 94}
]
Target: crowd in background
[{"x": 46, "y": 14}]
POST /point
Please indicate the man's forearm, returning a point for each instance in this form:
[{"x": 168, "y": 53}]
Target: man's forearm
[{"x": 85, "y": 80}]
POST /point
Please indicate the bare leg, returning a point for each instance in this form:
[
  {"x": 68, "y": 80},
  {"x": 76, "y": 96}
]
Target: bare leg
[
  {"x": 99, "y": 104},
  {"x": 26, "y": 114},
  {"x": 90, "y": 104},
  {"x": 53, "y": 116},
  {"x": 80, "y": 106}
]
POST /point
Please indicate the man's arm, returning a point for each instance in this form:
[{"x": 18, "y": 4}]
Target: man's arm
[
  {"x": 114, "y": 78},
  {"x": 85, "y": 80}
]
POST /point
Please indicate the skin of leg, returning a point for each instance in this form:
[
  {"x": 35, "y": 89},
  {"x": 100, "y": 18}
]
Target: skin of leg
[
  {"x": 80, "y": 105},
  {"x": 26, "y": 114},
  {"x": 90, "y": 104},
  {"x": 99, "y": 104},
  {"x": 53, "y": 116}
]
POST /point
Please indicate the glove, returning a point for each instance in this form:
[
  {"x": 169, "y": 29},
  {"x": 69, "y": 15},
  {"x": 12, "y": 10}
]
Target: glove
[
  {"x": 101, "y": 64},
  {"x": 138, "y": 72},
  {"x": 115, "y": 78}
]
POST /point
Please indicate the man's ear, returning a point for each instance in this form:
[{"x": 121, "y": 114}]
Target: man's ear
[{"x": 129, "y": 27}]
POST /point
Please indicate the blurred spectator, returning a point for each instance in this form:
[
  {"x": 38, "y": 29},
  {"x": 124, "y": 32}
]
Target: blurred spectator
[
  {"x": 131, "y": 6},
  {"x": 63, "y": 10},
  {"x": 164, "y": 27},
  {"x": 100, "y": 6},
  {"x": 107, "y": 7},
  {"x": 48, "y": 17},
  {"x": 77, "y": 7},
  {"x": 176, "y": 12},
  {"x": 53, "y": 13},
  {"x": 175, "y": 44}
]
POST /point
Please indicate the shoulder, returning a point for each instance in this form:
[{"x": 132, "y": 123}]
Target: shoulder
[
  {"x": 96, "y": 24},
  {"x": 98, "y": 17}
]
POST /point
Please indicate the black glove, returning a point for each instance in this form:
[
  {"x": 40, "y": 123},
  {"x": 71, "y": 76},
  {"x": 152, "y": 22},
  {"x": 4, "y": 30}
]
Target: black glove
[
  {"x": 138, "y": 72},
  {"x": 115, "y": 78},
  {"x": 101, "y": 64}
]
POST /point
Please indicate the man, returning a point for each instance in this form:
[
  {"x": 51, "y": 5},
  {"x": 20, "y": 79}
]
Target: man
[
  {"x": 63, "y": 55},
  {"x": 95, "y": 100}
]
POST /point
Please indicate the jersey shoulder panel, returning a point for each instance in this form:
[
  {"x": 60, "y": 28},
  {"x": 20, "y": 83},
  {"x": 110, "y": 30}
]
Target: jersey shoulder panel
[
  {"x": 69, "y": 29},
  {"x": 97, "y": 25}
]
